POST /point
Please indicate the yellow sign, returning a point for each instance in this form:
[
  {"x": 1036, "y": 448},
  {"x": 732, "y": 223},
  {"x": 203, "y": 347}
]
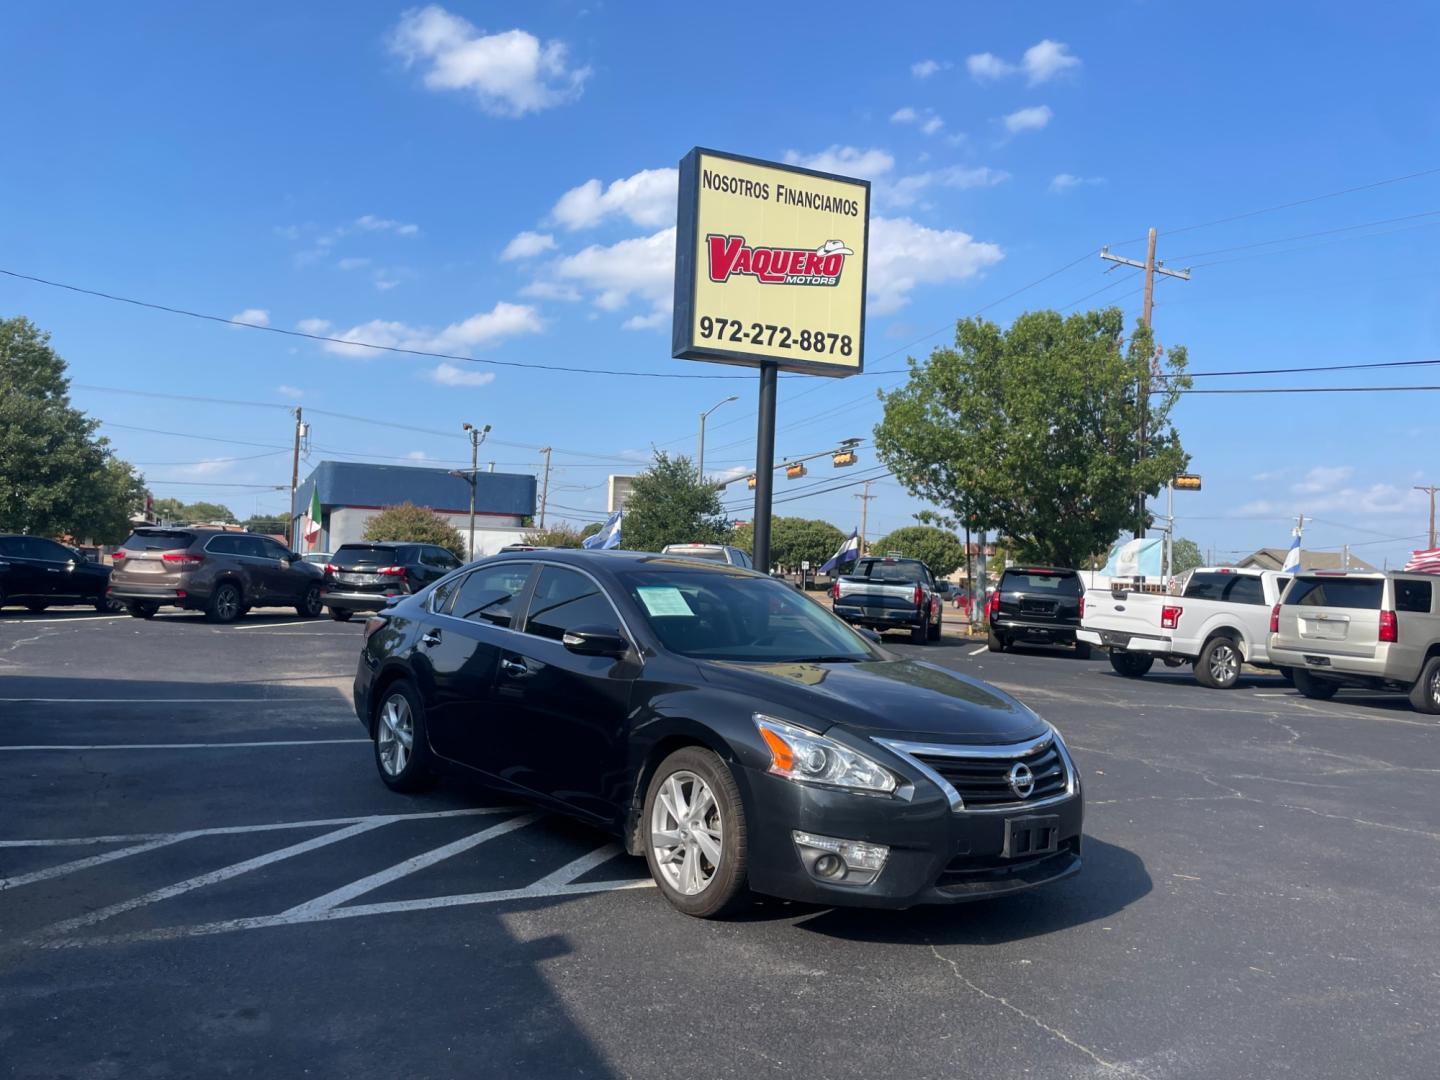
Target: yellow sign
[{"x": 770, "y": 265}]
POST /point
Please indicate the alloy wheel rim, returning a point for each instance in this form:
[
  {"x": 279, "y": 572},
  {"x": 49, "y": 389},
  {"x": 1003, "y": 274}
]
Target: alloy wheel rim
[
  {"x": 1435, "y": 687},
  {"x": 312, "y": 600},
  {"x": 396, "y": 735},
  {"x": 687, "y": 834},
  {"x": 228, "y": 603},
  {"x": 1222, "y": 664}
]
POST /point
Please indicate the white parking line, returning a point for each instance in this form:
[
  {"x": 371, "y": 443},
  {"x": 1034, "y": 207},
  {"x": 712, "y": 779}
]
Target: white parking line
[
  {"x": 86, "y": 863},
  {"x": 977, "y": 652},
  {"x": 159, "y": 700},
  {"x": 189, "y": 746},
  {"x": 51, "y": 622},
  {"x": 311, "y": 625}
]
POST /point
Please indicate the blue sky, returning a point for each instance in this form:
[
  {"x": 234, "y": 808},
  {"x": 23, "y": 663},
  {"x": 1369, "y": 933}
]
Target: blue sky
[{"x": 492, "y": 180}]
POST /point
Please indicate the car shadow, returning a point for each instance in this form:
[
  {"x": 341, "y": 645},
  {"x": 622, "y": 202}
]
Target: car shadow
[{"x": 1058, "y": 652}]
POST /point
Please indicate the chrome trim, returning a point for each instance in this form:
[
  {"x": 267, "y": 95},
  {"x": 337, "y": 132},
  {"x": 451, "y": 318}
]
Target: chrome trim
[{"x": 907, "y": 751}]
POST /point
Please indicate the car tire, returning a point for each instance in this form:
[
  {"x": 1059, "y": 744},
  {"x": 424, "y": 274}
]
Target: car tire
[
  {"x": 1218, "y": 665},
  {"x": 35, "y": 608},
  {"x": 1313, "y": 688},
  {"x": 995, "y": 643},
  {"x": 1425, "y": 694},
  {"x": 106, "y": 606},
  {"x": 225, "y": 604},
  {"x": 1082, "y": 650},
  {"x": 400, "y": 715},
  {"x": 688, "y": 886},
  {"x": 937, "y": 628},
  {"x": 341, "y": 614},
  {"x": 919, "y": 635},
  {"x": 1288, "y": 674},
  {"x": 1131, "y": 665},
  {"x": 310, "y": 606}
]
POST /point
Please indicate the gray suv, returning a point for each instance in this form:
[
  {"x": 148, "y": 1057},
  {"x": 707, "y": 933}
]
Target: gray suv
[
  {"x": 1382, "y": 631},
  {"x": 222, "y": 573}
]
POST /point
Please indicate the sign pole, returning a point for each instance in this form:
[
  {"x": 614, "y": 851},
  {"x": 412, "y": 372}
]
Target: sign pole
[{"x": 764, "y": 466}]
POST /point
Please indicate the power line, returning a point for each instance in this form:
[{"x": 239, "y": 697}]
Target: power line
[
  {"x": 1302, "y": 390},
  {"x": 208, "y": 461},
  {"x": 1294, "y": 370},
  {"x": 1306, "y": 236}
]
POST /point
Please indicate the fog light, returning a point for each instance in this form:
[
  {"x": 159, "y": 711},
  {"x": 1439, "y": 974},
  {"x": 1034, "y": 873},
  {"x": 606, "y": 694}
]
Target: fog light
[{"x": 834, "y": 860}]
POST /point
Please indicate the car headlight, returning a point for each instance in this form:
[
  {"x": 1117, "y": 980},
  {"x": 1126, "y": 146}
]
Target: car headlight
[{"x": 803, "y": 756}]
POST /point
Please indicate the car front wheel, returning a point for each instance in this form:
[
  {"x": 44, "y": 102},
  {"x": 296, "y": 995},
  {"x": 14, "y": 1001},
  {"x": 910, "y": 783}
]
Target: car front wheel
[
  {"x": 1131, "y": 665},
  {"x": 695, "y": 833},
  {"x": 340, "y": 614},
  {"x": 402, "y": 751},
  {"x": 310, "y": 606},
  {"x": 142, "y": 609},
  {"x": 1313, "y": 688}
]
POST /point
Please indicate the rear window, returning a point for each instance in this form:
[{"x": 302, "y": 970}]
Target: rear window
[
  {"x": 351, "y": 555},
  {"x": 892, "y": 571},
  {"x": 1058, "y": 584},
  {"x": 708, "y": 554},
  {"x": 1360, "y": 593},
  {"x": 158, "y": 540},
  {"x": 1234, "y": 588}
]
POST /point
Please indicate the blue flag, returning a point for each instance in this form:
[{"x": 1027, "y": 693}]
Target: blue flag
[
  {"x": 849, "y": 552},
  {"x": 1137, "y": 558},
  {"x": 608, "y": 536}
]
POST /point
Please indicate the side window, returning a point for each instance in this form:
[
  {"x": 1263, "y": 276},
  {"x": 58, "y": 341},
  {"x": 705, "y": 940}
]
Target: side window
[
  {"x": 564, "y": 600},
  {"x": 252, "y": 546},
  {"x": 49, "y": 550},
  {"x": 1280, "y": 584},
  {"x": 490, "y": 593},
  {"x": 1412, "y": 596},
  {"x": 10, "y": 545},
  {"x": 1246, "y": 590},
  {"x": 223, "y": 545},
  {"x": 273, "y": 550}
]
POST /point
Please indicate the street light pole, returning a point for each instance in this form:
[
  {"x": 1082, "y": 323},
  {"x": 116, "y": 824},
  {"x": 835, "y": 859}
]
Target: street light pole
[
  {"x": 700, "y": 455},
  {"x": 477, "y": 436}
]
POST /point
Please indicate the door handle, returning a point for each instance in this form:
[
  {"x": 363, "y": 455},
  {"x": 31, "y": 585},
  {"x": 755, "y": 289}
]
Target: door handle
[
  {"x": 516, "y": 668},
  {"x": 430, "y": 637}
]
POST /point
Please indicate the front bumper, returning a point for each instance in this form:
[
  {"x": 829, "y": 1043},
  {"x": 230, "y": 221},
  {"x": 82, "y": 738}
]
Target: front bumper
[
  {"x": 880, "y": 618},
  {"x": 936, "y": 856}
]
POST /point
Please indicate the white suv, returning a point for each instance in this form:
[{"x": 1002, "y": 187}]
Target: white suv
[
  {"x": 1381, "y": 631},
  {"x": 710, "y": 553}
]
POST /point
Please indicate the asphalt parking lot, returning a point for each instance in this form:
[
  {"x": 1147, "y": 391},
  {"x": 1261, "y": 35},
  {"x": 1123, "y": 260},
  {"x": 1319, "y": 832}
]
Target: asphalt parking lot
[{"x": 201, "y": 875}]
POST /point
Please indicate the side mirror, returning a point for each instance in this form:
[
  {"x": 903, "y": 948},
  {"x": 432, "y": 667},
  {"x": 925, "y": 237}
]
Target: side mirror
[{"x": 595, "y": 641}]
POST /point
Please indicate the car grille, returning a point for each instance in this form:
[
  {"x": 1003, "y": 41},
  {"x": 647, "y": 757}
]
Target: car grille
[
  {"x": 966, "y": 873},
  {"x": 983, "y": 781}
]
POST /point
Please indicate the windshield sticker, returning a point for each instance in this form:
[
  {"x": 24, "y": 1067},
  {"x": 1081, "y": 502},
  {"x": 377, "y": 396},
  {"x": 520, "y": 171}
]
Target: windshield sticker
[{"x": 663, "y": 600}]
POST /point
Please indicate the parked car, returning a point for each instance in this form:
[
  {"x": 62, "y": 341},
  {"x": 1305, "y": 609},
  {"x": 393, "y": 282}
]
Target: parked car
[
  {"x": 38, "y": 573},
  {"x": 365, "y": 576},
  {"x": 730, "y": 730},
  {"x": 1036, "y": 603},
  {"x": 319, "y": 558},
  {"x": 223, "y": 573},
  {"x": 1219, "y": 622},
  {"x": 888, "y": 592},
  {"x": 1381, "y": 631},
  {"x": 721, "y": 553}
]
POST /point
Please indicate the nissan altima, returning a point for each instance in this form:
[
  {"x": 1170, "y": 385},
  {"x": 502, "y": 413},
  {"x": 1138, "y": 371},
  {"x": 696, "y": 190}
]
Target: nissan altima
[{"x": 727, "y": 727}]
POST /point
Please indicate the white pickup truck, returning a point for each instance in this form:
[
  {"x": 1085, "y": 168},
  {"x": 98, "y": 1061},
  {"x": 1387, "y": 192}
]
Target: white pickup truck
[{"x": 1220, "y": 621}]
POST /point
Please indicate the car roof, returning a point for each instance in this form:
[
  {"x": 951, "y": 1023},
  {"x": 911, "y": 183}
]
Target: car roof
[
  {"x": 614, "y": 560},
  {"x": 1041, "y": 570}
]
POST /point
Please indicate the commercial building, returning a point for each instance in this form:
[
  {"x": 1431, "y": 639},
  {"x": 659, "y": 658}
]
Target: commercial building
[{"x": 351, "y": 493}]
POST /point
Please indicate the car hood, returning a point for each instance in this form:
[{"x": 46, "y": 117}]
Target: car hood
[{"x": 895, "y": 699}]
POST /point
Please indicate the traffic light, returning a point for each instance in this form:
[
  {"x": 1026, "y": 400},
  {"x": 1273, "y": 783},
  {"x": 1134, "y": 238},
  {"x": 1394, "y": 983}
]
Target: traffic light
[
  {"x": 844, "y": 458},
  {"x": 1187, "y": 482},
  {"x": 794, "y": 472}
]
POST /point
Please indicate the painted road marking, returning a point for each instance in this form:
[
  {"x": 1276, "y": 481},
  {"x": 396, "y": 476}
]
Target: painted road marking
[
  {"x": 85, "y": 864},
  {"x": 190, "y": 746},
  {"x": 313, "y": 624},
  {"x": 77, "y": 618},
  {"x": 159, "y": 701},
  {"x": 977, "y": 652}
]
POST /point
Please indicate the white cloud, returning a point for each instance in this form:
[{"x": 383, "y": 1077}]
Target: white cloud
[
  {"x": 907, "y": 190},
  {"x": 252, "y": 316},
  {"x": 640, "y": 268},
  {"x": 1322, "y": 478},
  {"x": 931, "y": 126},
  {"x": 1040, "y": 63},
  {"x": 904, "y": 254},
  {"x": 504, "y": 320},
  {"x": 207, "y": 467},
  {"x": 417, "y": 455},
  {"x": 648, "y": 199},
  {"x": 371, "y": 223},
  {"x": 550, "y": 290},
  {"x": 1031, "y": 119},
  {"x": 905, "y": 115},
  {"x": 385, "y": 284},
  {"x": 1329, "y": 489},
  {"x": 510, "y": 73},
  {"x": 923, "y": 69},
  {"x": 926, "y": 119},
  {"x": 1065, "y": 181},
  {"x": 289, "y": 391},
  {"x": 845, "y": 160},
  {"x": 319, "y": 327},
  {"x": 527, "y": 245},
  {"x": 450, "y": 375},
  {"x": 653, "y": 321},
  {"x": 353, "y": 263}
]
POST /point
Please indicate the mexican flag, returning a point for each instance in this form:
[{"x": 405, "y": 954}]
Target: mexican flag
[{"x": 310, "y": 523}]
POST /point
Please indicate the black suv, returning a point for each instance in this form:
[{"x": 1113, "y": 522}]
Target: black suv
[
  {"x": 1037, "y": 603},
  {"x": 37, "y": 573},
  {"x": 364, "y": 577}
]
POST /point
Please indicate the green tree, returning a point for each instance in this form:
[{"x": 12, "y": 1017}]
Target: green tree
[
  {"x": 57, "y": 476},
  {"x": 1033, "y": 430},
  {"x": 793, "y": 540},
  {"x": 591, "y": 529},
  {"x": 1185, "y": 555},
  {"x": 939, "y": 549},
  {"x": 557, "y": 536},
  {"x": 265, "y": 523},
  {"x": 175, "y": 510},
  {"x": 669, "y": 505},
  {"x": 415, "y": 525}
]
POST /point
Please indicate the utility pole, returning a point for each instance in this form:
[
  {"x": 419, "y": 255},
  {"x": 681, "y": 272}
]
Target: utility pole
[
  {"x": 477, "y": 436},
  {"x": 1151, "y": 268},
  {"x": 864, "y": 513},
  {"x": 294, "y": 479},
  {"x": 545, "y": 486},
  {"x": 1430, "y": 490}
]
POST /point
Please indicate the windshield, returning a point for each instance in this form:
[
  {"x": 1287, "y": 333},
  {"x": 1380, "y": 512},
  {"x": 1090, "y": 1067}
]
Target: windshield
[
  {"x": 718, "y": 616},
  {"x": 363, "y": 555},
  {"x": 892, "y": 571}
]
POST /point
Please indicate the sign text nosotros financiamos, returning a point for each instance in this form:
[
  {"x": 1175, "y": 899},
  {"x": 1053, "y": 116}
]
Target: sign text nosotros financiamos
[{"x": 776, "y": 265}]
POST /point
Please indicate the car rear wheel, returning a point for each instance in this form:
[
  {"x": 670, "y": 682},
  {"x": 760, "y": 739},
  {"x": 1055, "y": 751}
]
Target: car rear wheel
[
  {"x": 1082, "y": 650},
  {"x": 340, "y": 614},
  {"x": 1311, "y": 687},
  {"x": 36, "y": 607},
  {"x": 1425, "y": 695},
  {"x": 142, "y": 609},
  {"x": 695, "y": 834},
  {"x": 107, "y": 606},
  {"x": 225, "y": 604},
  {"x": 1218, "y": 665},
  {"x": 310, "y": 606},
  {"x": 995, "y": 643},
  {"x": 402, "y": 752},
  {"x": 938, "y": 626},
  {"x": 919, "y": 635},
  {"x": 1131, "y": 665}
]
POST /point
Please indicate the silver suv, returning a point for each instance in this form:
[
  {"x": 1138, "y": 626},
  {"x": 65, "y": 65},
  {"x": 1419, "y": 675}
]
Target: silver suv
[
  {"x": 1382, "y": 631},
  {"x": 223, "y": 573}
]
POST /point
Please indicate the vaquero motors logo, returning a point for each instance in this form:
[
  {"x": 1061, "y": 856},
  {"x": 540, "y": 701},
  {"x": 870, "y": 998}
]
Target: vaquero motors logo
[{"x": 776, "y": 266}]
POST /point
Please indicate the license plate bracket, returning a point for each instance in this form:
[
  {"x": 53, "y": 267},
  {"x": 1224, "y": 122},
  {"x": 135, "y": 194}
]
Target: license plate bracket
[{"x": 1028, "y": 836}]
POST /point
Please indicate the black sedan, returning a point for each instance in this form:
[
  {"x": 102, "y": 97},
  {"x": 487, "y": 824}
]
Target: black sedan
[
  {"x": 726, "y": 726},
  {"x": 40, "y": 573}
]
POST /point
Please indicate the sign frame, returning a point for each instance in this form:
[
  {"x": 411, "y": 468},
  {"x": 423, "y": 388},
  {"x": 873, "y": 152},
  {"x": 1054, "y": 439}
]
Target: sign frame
[{"x": 687, "y": 271}]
